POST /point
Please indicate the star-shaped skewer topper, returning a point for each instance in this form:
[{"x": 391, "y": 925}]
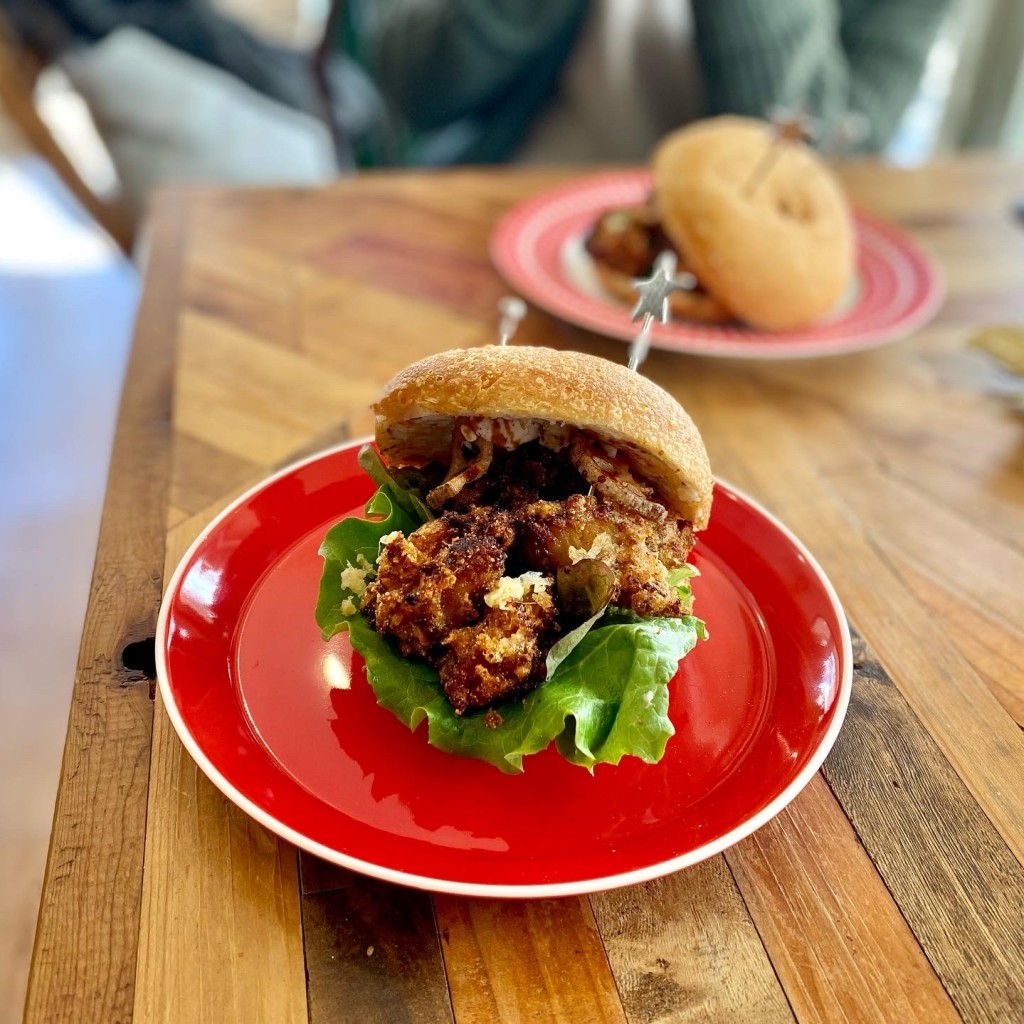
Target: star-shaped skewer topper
[
  {"x": 655, "y": 290},
  {"x": 653, "y": 301},
  {"x": 791, "y": 124}
]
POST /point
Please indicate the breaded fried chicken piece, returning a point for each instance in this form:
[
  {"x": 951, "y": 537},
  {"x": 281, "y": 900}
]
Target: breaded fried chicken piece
[
  {"x": 629, "y": 239},
  {"x": 639, "y": 550},
  {"x": 434, "y": 580},
  {"x": 500, "y": 656}
]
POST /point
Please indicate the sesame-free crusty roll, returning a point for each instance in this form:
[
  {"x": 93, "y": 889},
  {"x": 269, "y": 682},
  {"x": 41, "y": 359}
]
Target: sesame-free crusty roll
[
  {"x": 778, "y": 252},
  {"x": 521, "y": 391}
]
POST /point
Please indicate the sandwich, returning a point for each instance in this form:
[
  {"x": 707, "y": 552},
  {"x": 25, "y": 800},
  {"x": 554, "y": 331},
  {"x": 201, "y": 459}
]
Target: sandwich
[
  {"x": 759, "y": 221},
  {"x": 521, "y": 576}
]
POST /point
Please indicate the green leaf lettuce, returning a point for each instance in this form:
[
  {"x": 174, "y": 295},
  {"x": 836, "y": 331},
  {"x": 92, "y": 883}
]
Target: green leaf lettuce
[
  {"x": 353, "y": 544},
  {"x": 606, "y": 695}
]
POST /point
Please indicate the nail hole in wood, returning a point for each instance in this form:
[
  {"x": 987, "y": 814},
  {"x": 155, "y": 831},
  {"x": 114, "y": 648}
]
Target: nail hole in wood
[{"x": 139, "y": 659}]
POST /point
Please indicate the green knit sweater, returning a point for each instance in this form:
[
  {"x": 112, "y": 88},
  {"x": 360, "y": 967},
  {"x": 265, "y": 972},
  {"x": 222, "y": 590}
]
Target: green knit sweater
[{"x": 464, "y": 79}]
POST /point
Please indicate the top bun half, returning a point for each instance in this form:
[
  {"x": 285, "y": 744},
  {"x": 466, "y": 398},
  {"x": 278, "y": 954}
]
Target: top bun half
[
  {"x": 416, "y": 413},
  {"x": 778, "y": 251}
]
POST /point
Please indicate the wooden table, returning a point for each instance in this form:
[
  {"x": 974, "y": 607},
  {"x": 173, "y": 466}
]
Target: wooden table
[{"x": 892, "y": 889}]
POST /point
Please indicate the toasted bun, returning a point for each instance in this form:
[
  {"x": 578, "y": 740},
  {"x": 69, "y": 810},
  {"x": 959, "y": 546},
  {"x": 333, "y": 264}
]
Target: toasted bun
[
  {"x": 780, "y": 256},
  {"x": 417, "y": 409},
  {"x": 685, "y": 305}
]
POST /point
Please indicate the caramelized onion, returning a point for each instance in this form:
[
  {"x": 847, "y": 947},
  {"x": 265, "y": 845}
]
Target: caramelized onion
[
  {"x": 611, "y": 478},
  {"x": 473, "y": 470}
]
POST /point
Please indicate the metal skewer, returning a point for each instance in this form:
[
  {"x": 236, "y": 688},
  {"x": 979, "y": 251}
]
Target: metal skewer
[
  {"x": 653, "y": 302},
  {"x": 512, "y": 310},
  {"x": 786, "y": 126}
]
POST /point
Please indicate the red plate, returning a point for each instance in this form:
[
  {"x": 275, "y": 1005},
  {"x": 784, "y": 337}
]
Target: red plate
[
  {"x": 538, "y": 248},
  {"x": 287, "y": 726}
]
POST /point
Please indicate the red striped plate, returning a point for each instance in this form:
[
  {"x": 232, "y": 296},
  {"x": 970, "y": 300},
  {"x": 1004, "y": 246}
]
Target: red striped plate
[{"x": 538, "y": 248}]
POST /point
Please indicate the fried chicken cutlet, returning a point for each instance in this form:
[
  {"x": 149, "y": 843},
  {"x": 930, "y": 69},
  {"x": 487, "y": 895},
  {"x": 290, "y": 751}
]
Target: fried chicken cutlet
[
  {"x": 629, "y": 239},
  {"x": 435, "y": 580},
  {"x": 473, "y": 591},
  {"x": 640, "y": 551}
]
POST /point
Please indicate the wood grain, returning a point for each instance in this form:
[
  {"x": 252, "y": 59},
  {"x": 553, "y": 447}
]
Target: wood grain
[
  {"x": 684, "y": 949},
  {"x": 220, "y": 936},
  {"x": 86, "y": 938},
  {"x": 373, "y": 956},
  {"x": 254, "y": 400},
  {"x": 534, "y": 960},
  {"x": 316, "y": 875},
  {"x": 780, "y": 464},
  {"x": 863, "y": 902},
  {"x": 203, "y": 475},
  {"x": 987, "y": 645},
  {"x": 897, "y": 464},
  {"x": 372, "y": 949},
  {"x": 343, "y": 323},
  {"x": 962, "y": 891},
  {"x": 837, "y": 940}
]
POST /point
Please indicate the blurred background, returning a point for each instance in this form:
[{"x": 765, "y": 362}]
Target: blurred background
[{"x": 103, "y": 101}]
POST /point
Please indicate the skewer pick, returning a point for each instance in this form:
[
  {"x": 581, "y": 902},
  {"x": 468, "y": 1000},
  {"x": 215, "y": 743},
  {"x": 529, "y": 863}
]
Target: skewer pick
[
  {"x": 512, "y": 310},
  {"x": 786, "y": 126},
  {"x": 653, "y": 302}
]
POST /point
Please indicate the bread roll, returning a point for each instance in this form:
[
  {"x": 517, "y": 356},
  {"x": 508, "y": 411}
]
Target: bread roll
[
  {"x": 416, "y": 413},
  {"x": 779, "y": 255}
]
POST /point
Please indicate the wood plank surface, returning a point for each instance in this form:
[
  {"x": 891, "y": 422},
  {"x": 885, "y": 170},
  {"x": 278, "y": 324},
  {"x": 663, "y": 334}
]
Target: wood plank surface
[
  {"x": 373, "y": 956},
  {"x": 775, "y": 461},
  {"x": 838, "y": 942},
  {"x": 221, "y": 933},
  {"x": 300, "y": 312},
  {"x": 372, "y": 949},
  {"x": 250, "y": 399},
  {"x": 86, "y": 939},
  {"x": 864, "y": 901},
  {"x": 961, "y": 890},
  {"x": 684, "y": 949},
  {"x": 526, "y": 960},
  {"x": 985, "y": 644},
  {"x": 317, "y": 876},
  {"x": 220, "y": 938}
]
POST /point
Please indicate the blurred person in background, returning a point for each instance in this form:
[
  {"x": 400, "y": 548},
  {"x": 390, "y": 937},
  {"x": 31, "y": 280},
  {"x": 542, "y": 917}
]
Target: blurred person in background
[
  {"x": 576, "y": 81},
  {"x": 180, "y": 92},
  {"x": 53, "y": 28}
]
